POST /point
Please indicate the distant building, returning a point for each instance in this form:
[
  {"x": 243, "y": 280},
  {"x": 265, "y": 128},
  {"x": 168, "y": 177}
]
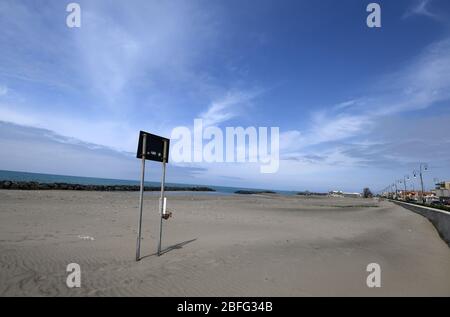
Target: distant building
[
  {"x": 415, "y": 195},
  {"x": 335, "y": 193},
  {"x": 352, "y": 195},
  {"x": 442, "y": 190},
  {"x": 443, "y": 185},
  {"x": 338, "y": 193}
]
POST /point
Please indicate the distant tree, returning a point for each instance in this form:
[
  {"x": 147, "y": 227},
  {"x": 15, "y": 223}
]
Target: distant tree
[{"x": 367, "y": 193}]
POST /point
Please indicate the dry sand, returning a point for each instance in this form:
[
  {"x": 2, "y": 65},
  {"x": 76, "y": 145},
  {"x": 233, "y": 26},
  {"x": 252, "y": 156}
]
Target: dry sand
[{"x": 218, "y": 246}]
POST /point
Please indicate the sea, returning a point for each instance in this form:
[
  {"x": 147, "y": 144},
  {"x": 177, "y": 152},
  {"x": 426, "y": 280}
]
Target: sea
[{"x": 52, "y": 178}]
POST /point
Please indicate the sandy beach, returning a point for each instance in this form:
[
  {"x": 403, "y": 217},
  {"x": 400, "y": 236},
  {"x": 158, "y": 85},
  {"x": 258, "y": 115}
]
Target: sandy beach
[{"x": 258, "y": 245}]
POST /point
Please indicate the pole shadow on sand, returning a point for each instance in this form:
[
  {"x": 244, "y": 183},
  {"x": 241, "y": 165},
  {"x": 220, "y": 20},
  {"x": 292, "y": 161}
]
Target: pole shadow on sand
[{"x": 171, "y": 248}]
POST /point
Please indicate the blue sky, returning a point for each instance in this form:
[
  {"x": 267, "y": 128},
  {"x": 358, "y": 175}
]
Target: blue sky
[{"x": 356, "y": 106}]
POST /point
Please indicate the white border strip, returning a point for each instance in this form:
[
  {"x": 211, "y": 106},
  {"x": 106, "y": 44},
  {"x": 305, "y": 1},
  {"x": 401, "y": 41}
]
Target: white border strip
[{"x": 424, "y": 207}]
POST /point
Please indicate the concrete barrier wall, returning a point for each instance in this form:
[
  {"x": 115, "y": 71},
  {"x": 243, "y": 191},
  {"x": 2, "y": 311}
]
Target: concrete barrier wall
[{"x": 439, "y": 218}]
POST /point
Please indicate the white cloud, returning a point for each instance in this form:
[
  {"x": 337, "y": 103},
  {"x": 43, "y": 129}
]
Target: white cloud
[
  {"x": 124, "y": 60},
  {"x": 116, "y": 134},
  {"x": 224, "y": 109},
  {"x": 55, "y": 154},
  {"x": 328, "y": 128},
  {"x": 420, "y": 85},
  {"x": 346, "y": 104},
  {"x": 134, "y": 48},
  {"x": 351, "y": 134},
  {"x": 420, "y": 7},
  {"x": 122, "y": 56}
]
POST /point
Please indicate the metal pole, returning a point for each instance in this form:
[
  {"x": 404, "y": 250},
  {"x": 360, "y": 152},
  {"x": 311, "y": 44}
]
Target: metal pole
[
  {"x": 163, "y": 180},
  {"x": 141, "y": 199},
  {"x": 404, "y": 195},
  {"x": 421, "y": 182},
  {"x": 396, "y": 190}
]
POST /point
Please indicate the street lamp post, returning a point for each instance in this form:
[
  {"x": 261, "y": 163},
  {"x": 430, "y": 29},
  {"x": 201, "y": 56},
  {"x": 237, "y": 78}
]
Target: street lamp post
[
  {"x": 399, "y": 183},
  {"x": 396, "y": 190},
  {"x": 423, "y": 167},
  {"x": 405, "y": 178}
]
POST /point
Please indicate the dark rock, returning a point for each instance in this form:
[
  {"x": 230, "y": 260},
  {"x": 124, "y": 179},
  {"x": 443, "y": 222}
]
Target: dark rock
[
  {"x": 5, "y": 184},
  {"x": 307, "y": 193},
  {"x": 251, "y": 192}
]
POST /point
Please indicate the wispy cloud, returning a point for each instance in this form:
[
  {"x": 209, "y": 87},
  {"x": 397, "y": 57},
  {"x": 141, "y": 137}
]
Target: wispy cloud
[
  {"x": 421, "y": 8},
  {"x": 233, "y": 104},
  {"x": 418, "y": 86},
  {"x": 118, "y": 134},
  {"x": 56, "y": 154},
  {"x": 399, "y": 142},
  {"x": 126, "y": 64},
  {"x": 346, "y": 104},
  {"x": 141, "y": 46}
]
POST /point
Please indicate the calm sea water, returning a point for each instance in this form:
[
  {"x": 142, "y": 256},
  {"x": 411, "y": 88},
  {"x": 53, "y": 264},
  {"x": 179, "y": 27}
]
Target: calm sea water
[{"x": 50, "y": 178}]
